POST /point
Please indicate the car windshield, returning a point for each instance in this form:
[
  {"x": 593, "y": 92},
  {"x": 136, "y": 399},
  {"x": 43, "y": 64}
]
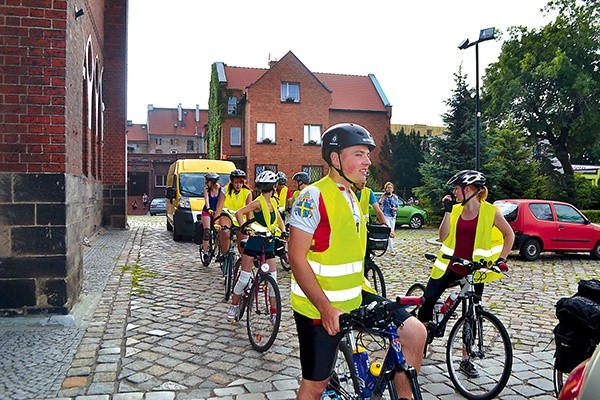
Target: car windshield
[
  {"x": 192, "y": 185},
  {"x": 508, "y": 209},
  {"x": 159, "y": 201}
]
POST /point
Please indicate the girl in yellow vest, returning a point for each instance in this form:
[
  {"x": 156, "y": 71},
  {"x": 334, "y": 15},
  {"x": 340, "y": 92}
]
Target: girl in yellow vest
[
  {"x": 327, "y": 248},
  {"x": 236, "y": 195},
  {"x": 265, "y": 213},
  {"x": 473, "y": 229}
]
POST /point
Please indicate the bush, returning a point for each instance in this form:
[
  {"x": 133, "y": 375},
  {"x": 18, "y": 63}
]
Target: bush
[{"x": 593, "y": 215}]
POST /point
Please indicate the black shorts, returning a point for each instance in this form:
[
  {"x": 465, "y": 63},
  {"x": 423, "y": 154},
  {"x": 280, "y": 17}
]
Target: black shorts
[
  {"x": 253, "y": 253},
  {"x": 318, "y": 349}
]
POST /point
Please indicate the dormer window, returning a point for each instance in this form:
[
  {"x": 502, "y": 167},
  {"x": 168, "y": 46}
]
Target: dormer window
[{"x": 290, "y": 92}]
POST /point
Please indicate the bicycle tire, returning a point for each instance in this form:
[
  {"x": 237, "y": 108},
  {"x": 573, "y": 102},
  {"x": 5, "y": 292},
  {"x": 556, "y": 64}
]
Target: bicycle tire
[
  {"x": 344, "y": 381},
  {"x": 228, "y": 267},
  {"x": 375, "y": 277},
  {"x": 493, "y": 361},
  {"x": 285, "y": 264},
  {"x": 236, "y": 276},
  {"x": 417, "y": 289},
  {"x": 262, "y": 331},
  {"x": 558, "y": 380}
]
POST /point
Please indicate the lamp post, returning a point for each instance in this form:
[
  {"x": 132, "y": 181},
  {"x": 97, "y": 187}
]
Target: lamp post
[{"x": 484, "y": 34}]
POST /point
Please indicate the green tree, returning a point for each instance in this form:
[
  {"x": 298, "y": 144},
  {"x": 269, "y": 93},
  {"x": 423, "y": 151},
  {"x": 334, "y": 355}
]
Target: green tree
[
  {"x": 548, "y": 81},
  {"x": 400, "y": 157},
  {"x": 453, "y": 151}
]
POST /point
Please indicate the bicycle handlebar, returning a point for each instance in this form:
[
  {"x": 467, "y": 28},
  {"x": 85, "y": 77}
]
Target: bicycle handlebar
[
  {"x": 473, "y": 265},
  {"x": 376, "y": 314}
]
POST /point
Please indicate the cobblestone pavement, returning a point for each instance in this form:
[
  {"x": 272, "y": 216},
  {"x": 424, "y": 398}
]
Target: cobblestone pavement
[{"x": 151, "y": 325}]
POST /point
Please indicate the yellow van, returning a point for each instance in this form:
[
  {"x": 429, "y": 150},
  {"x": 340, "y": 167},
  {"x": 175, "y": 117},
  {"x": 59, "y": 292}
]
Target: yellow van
[{"x": 185, "y": 192}]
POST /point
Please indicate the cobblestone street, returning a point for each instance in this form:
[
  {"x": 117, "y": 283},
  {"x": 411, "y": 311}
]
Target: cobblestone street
[{"x": 153, "y": 326}]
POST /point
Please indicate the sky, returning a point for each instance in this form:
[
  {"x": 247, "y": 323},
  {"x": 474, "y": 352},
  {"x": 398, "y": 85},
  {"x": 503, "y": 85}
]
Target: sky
[{"x": 410, "y": 46}]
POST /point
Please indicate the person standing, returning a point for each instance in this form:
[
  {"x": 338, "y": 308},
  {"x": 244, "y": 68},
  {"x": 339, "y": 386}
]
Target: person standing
[
  {"x": 389, "y": 205},
  {"x": 327, "y": 247},
  {"x": 212, "y": 193},
  {"x": 472, "y": 229},
  {"x": 145, "y": 200}
]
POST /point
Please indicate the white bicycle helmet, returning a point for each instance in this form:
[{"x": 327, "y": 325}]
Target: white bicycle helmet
[
  {"x": 265, "y": 181},
  {"x": 467, "y": 177}
]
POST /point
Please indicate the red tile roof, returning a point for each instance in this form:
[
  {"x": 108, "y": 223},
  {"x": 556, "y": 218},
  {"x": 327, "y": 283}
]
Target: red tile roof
[
  {"x": 350, "y": 92},
  {"x": 137, "y": 133},
  {"x": 164, "y": 121}
]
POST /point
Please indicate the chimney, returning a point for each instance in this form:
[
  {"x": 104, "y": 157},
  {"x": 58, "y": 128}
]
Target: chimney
[
  {"x": 271, "y": 63},
  {"x": 197, "y": 113},
  {"x": 150, "y": 107}
]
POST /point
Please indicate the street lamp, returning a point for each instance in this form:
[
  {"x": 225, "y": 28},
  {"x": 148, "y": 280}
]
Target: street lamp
[{"x": 484, "y": 34}]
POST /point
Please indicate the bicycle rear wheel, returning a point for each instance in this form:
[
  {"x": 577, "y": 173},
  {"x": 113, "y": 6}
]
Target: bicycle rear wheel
[
  {"x": 417, "y": 289},
  {"x": 558, "y": 379},
  {"x": 344, "y": 381},
  {"x": 264, "y": 312},
  {"x": 375, "y": 277},
  {"x": 490, "y": 352},
  {"x": 228, "y": 267}
]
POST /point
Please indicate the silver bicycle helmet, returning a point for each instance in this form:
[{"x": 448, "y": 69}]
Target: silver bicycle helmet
[
  {"x": 212, "y": 176},
  {"x": 467, "y": 177},
  {"x": 281, "y": 178}
]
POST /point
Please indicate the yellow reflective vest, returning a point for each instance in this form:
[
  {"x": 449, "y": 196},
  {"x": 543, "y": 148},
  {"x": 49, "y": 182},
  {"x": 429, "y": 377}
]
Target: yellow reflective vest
[
  {"x": 234, "y": 202},
  {"x": 488, "y": 243},
  {"x": 365, "y": 196},
  {"x": 338, "y": 269}
]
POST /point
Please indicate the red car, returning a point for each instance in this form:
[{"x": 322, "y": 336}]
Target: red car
[{"x": 547, "y": 225}]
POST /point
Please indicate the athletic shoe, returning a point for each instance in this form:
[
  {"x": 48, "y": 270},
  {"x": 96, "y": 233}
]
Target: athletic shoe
[
  {"x": 233, "y": 312},
  {"x": 467, "y": 368}
]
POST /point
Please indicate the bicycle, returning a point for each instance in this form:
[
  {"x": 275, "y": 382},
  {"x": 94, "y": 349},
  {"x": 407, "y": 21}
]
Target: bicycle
[
  {"x": 230, "y": 257},
  {"x": 281, "y": 250},
  {"x": 354, "y": 376},
  {"x": 377, "y": 243},
  {"x": 261, "y": 298},
  {"x": 476, "y": 334},
  {"x": 213, "y": 241}
]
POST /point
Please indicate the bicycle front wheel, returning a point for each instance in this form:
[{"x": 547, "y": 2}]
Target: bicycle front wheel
[
  {"x": 228, "y": 266},
  {"x": 479, "y": 356},
  {"x": 263, "y": 313},
  {"x": 344, "y": 381},
  {"x": 375, "y": 277}
]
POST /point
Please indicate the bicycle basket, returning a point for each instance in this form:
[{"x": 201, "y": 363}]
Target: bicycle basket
[{"x": 377, "y": 237}]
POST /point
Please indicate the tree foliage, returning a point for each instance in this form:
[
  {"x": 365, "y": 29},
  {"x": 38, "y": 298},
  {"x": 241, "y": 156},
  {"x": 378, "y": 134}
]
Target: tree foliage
[{"x": 548, "y": 82}]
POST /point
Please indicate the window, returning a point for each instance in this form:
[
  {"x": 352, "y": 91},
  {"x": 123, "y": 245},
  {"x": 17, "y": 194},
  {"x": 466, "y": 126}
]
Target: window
[
  {"x": 258, "y": 168},
  {"x": 541, "y": 211},
  {"x": 231, "y": 106},
  {"x": 315, "y": 172},
  {"x": 312, "y": 134},
  {"x": 160, "y": 180},
  {"x": 566, "y": 213},
  {"x": 290, "y": 92},
  {"x": 158, "y": 141},
  {"x": 235, "y": 136},
  {"x": 190, "y": 145},
  {"x": 265, "y": 132}
]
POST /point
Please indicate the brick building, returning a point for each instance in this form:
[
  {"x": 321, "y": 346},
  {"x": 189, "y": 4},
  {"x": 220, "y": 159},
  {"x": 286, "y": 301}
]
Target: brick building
[
  {"x": 273, "y": 118},
  {"x": 62, "y": 144},
  {"x": 169, "y": 134}
]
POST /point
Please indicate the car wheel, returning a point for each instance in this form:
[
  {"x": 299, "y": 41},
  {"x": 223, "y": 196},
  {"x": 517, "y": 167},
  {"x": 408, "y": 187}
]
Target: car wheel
[
  {"x": 531, "y": 249},
  {"x": 596, "y": 251},
  {"x": 416, "y": 221}
]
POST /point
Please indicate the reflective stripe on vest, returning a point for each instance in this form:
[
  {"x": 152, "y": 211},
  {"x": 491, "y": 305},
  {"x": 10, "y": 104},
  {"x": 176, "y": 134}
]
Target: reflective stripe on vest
[
  {"x": 338, "y": 269},
  {"x": 488, "y": 243}
]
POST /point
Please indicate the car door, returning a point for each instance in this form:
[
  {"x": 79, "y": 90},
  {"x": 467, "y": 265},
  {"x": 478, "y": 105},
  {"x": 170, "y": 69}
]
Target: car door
[
  {"x": 403, "y": 213},
  {"x": 573, "y": 232},
  {"x": 540, "y": 222}
]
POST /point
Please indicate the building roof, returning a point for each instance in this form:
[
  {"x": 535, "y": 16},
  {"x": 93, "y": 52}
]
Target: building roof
[
  {"x": 349, "y": 92},
  {"x": 137, "y": 132},
  {"x": 165, "y": 121}
]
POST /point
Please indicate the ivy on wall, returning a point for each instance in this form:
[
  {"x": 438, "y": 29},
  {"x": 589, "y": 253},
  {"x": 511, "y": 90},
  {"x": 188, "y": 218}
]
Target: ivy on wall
[{"x": 215, "y": 117}]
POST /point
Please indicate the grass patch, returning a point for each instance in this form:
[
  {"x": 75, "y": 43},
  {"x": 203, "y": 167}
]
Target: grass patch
[{"x": 138, "y": 274}]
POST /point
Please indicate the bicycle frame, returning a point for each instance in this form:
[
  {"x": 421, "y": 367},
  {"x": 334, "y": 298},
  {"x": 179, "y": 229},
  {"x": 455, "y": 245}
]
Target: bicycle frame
[{"x": 464, "y": 297}]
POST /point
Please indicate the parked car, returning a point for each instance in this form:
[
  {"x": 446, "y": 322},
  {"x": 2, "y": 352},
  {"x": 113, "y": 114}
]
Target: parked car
[
  {"x": 407, "y": 214},
  {"x": 158, "y": 206},
  {"x": 547, "y": 225},
  {"x": 583, "y": 382}
]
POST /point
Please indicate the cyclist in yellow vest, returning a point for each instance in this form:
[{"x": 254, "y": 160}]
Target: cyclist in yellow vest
[
  {"x": 282, "y": 193},
  {"x": 236, "y": 194},
  {"x": 472, "y": 229},
  {"x": 327, "y": 248},
  {"x": 264, "y": 208},
  {"x": 301, "y": 179}
]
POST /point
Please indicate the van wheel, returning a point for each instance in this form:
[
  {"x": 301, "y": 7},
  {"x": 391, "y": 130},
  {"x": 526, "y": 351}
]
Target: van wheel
[
  {"x": 531, "y": 249},
  {"x": 176, "y": 235}
]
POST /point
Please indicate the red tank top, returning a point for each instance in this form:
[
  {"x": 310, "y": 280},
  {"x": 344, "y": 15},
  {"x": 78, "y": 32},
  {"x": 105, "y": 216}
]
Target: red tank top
[{"x": 465, "y": 240}]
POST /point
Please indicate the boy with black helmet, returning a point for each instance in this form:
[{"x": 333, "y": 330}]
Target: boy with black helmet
[
  {"x": 301, "y": 179},
  {"x": 326, "y": 248}
]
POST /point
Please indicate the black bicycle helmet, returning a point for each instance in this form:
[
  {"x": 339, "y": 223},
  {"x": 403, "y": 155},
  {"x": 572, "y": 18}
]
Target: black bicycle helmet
[
  {"x": 301, "y": 177},
  {"x": 212, "y": 176},
  {"x": 237, "y": 173},
  {"x": 340, "y": 136},
  {"x": 281, "y": 178},
  {"x": 467, "y": 177}
]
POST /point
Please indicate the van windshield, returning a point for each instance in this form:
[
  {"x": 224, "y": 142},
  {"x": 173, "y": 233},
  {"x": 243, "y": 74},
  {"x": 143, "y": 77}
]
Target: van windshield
[{"x": 192, "y": 184}]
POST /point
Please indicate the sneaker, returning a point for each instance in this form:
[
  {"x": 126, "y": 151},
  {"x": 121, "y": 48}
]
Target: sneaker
[
  {"x": 467, "y": 368},
  {"x": 205, "y": 258},
  {"x": 392, "y": 253},
  {"x": 220, "y": 258},
  {"x": 232, "y": 312}
]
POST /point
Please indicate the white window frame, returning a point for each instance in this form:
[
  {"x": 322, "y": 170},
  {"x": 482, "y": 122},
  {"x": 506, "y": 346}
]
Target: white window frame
[
  {"x": 286, "y": 93},
  {"x": 235, "y": 132},
  {"x": 231, "y": 105},
  {"x": 266, "y": 130},
  {"x": 312, "y": 134}
]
